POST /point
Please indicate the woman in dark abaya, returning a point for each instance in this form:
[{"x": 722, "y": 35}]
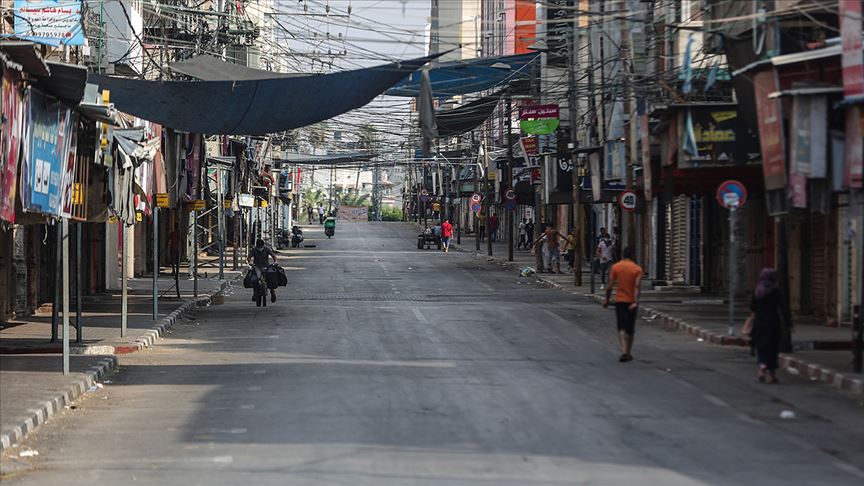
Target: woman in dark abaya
[{"x": 771, "y": 324}]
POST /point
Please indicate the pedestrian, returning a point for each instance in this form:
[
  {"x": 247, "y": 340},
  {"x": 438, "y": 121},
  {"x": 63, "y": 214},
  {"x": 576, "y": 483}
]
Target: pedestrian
[
  {"x": 529, "y": 231},
  {"x": 259, "y": 258},
  {"x": 603, "y": 253},
  {"x": 551, "y": 249},
  {"x": 771, "y": 324},
  {"x": 570, "y": 250},
  {"x": 481, "y": 219},
  {"x": 493, "y": 227},
  {"x": 523, "y": 236},
  {"x": 311, "y": 211},
  {"x": 627, "y": 275},
  {"x": 320, "y": 213},
  {"x": 446, "y": 234}
]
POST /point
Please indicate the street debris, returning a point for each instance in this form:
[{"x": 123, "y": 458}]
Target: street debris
[
  {"x": 92, "y": 388},
  {"x": 28, "y": 453},
  {"x": 527, "y": 272},
  {"x": 792, "y": 371},
  {"x": 787, "y": 415},
  {"x": 701, "y": 340}
]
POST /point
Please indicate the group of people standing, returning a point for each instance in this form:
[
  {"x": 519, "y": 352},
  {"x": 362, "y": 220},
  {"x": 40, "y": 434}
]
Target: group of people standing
[{"x": 311, "y": 212}]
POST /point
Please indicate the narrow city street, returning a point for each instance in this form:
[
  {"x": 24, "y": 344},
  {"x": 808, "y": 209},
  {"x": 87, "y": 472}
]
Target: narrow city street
[{"x": 384, "y": 364}]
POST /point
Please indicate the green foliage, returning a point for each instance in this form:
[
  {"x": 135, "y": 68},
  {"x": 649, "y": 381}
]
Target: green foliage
[
  {"x": 352, "y": 199},
  {"x": 313, "y": 197},
  {"x": 390, "y": 213}
]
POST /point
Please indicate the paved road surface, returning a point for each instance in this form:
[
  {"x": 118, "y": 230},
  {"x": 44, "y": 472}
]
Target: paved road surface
[{"x": 389, "y": 365}]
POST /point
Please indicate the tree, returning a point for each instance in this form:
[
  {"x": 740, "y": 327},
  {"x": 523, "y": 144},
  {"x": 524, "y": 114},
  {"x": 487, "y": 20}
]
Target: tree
[{"x": 352, "y": 199}]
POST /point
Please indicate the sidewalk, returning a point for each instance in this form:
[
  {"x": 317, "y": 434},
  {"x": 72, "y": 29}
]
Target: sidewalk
[
  {"x": 32, "y": 386},
  {"x": 820, "y": 352}
]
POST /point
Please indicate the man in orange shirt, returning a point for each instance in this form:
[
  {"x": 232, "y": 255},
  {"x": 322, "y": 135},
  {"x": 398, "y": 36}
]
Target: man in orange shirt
[{"x": 628, "y": 277}]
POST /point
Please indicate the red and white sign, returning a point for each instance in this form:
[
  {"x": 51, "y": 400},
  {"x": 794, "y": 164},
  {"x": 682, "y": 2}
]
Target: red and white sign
[
  {"x": 538, "y": 111},
  {"x": 627, "y": 201},
  {"x": 854, "y": 148},
  {"x": 529, "y": 146},
  {"x": 731, "y": 194},
  {"x": 768, "y": 112},
  {"x": 853, "y": 58}
]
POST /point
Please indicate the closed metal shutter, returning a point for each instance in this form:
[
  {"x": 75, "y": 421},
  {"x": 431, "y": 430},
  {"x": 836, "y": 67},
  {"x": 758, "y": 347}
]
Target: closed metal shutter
[
  {"x": 677, "y": 245},
  {"x": 818, "y": 263}
]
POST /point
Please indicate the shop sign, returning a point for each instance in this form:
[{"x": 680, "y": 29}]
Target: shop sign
[
  {"x": 197, "y": 205},
  {"x": 12, "y": 103},
  {"x": 850, "y": 38},
  {"x": 162, "y": 200},
  {"x": 529, "y": 146},
  {"x": 769, "y": 116},
  {"x": 538, "y": 119},
  {"x": 245, "y": 200},
  {"x": 46, "y": 164},
  {"x": 720, "y": 139},
  {"x": 52, "y": 22},
  {"x": 559, "y": 27},
  {"x": 854, "y": 147}
]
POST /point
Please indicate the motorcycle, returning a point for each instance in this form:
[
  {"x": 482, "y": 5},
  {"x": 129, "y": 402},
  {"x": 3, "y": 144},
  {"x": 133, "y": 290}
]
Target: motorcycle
[
  {"x": 330, "y": 227},
  {"x": 283, "y": 239},
  {"x": 296, "y": 236}
]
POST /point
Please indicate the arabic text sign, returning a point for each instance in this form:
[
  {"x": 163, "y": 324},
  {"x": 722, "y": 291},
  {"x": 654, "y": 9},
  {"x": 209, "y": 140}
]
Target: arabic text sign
[
  {"x": 538, "y": 111},
  {"x": 49, "y": 131},
  {"x": 53, "y": 22}
]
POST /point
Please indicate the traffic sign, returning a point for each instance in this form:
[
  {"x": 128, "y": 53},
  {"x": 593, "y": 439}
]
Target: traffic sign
[
  {"x": 627, "y": 201},
  {"x": 731, "y": 194},
  {"x": 510, "y": 205},
  {"x": 476, "y": 207},
  {"x": 476, "y": 198},
  {"x": 424, "y": 195},
  {"x": 510, "y": 194}
]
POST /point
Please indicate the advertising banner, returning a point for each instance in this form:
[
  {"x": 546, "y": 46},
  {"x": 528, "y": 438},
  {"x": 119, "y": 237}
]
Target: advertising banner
[
  {"x": 49, "y": 126},
  {"x": 850, "y": 38},
  {"x": 559, "y": 30},
  {"x": 52, "y": 22},
  {"x": 353, "y": 213},
  {"x": 538, "y": 119},
  {"x": 719, "y": 139},
  {"x": 12, "y": 104},
  {"x": 770, "y": 120}
]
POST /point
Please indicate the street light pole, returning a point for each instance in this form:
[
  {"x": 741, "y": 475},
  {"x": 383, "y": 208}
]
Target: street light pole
[{"x": 509, "y": 177}]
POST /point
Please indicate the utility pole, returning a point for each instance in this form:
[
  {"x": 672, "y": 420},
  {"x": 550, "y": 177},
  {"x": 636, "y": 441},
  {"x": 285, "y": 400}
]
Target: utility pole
[
  {"x": 630, "y": 133},
  {"x": 508, "y": 180},
  {"x": 573, "y": 109}
]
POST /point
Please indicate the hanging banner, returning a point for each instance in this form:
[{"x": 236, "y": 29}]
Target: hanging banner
[
  {"x": 854, "y": 147},
  {"x": 52, "y": 22},
  {"x": 539, "y": 119},
  {"x": 559, "y": 30},
  {"x": 49, "y": 126},
  {"x": 12, "y": 102},
  {"x": 850, "y": 38},
  {"x": 596, "y": 178},
  {"x": 770, "y": 120},
  {"x": 67, "y": 183}
]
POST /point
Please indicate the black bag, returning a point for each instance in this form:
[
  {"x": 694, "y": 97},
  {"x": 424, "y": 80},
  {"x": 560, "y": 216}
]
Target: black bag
[
  {"x": 250, "y": 281},
  {"x": 275, "y": 276}
]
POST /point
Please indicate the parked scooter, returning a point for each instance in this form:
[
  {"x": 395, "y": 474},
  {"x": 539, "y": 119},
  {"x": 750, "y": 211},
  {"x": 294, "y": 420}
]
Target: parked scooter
[
  {"x": 284, "y": 239},
  {"x": 296, "y": 236},
  {"x": 330, "y": 226}
]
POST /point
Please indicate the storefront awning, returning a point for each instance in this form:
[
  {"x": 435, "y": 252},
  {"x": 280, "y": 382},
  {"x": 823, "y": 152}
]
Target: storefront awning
[
  {"x": 255, "y": 107},
  {"x": 470, "y": 76}
]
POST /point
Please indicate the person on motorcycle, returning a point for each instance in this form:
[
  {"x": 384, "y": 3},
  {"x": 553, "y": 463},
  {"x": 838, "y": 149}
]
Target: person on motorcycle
[{"x": 259, "y": 259}]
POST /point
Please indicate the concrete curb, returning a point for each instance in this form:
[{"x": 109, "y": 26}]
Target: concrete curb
[
  {"x": 854, "y": 386},
  {"x": 46, "y": 409}
]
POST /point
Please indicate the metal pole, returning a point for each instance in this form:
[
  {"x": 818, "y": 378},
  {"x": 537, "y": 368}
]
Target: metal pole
[
  {"x": 78, "y": 335},
  {"x": 733, "y": 274},
  {"x": 509, "y": 178},
  {"x": 573, "y": 109},
  {"x": 55, "y": 304},
  {"x": 65, "y": 271},
  {"x": 124, "y": 291},
  {"x": 477, "y": 191},
  {"x": 195, "y": 253},
  {"x": 155, "y": 262},
  {"x": 856, "y": 206},
  {"x": 220, "y": 213}
]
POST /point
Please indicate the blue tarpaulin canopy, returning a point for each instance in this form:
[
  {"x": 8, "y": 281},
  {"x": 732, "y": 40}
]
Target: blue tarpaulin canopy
[
  {"x": 252, "y": 107},
  {"x": 461, "y": 77}
]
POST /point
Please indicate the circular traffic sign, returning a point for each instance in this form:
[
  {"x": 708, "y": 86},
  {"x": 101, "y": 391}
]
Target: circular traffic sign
[
  {"x": 510, "y": 194},
  {"x": 510, "y": 205},
  {"x": 476, "y": 198},
  {"x": 424, "y": 195},
  {"x": 476, "y": 207},
  {"x": 731, "y": 194},
  {"x": 627, "y": 201}
]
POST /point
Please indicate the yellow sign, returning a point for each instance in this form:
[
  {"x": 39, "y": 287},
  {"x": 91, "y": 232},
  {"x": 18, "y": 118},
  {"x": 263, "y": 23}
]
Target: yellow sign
[
  {"x": 197, "y": 205},
  {"x": 112, "y": 219},
  {"x": 138, "y": 216},
  {"x": 77, "y": 199},
  {"x": 263, "y": 203},
  {"x": 227, "y": 203},
  {"x": 162, "y": 200}
]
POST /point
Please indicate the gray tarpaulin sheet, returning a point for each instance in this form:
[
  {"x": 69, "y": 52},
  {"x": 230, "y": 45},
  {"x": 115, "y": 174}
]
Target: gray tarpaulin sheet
[
  {"x": 255, "y": 107},
  {"x": 210, "y": 68}
]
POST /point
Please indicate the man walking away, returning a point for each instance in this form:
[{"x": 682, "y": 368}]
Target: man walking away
[
  {"x": 529, "y": 232},
  {"x": 570, "y": 249},
  {"x": 320, "y": 214},
  {"x": 311, "y": 212},
  {"x": 628, "y": 276},
  {"x": 259, "y": 258},
  {"x": 481, "y": 219},
  {"x": 446, "y": 234},
  {"x": 523, "y": 242},
  {"x": 493, "y": 226}
]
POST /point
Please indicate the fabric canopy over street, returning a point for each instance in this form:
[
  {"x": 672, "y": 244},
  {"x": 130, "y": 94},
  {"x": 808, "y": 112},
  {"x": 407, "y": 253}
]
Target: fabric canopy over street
[
  {"x": 466, "y": 117},
  {"x": 462, "y": 77},
  {"x": 255, "y": 107},
  {"x": 330, "y": 159},
  {"x": 210, "y": 68}
]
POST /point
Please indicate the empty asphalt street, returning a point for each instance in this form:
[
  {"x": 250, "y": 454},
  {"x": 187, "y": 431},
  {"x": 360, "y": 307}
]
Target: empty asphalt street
[{"x": 382, "y": 364}]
